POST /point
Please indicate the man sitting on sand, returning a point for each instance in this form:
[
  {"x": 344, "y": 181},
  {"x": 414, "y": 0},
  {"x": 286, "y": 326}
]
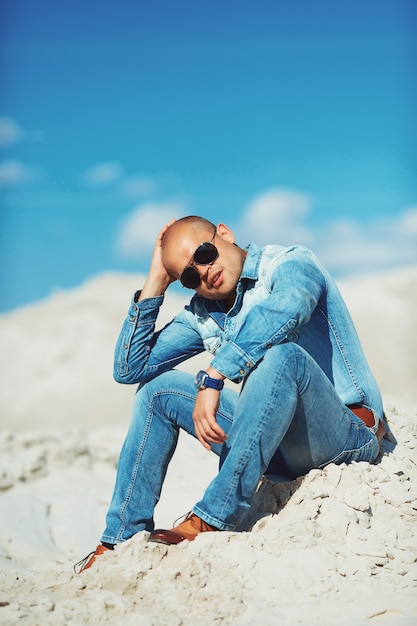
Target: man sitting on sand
[{"x": 274, "y": 320}]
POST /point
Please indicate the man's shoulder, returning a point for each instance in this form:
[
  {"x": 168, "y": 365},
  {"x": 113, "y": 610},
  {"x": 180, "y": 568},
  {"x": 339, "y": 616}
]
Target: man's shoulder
[
  {"x": 279, "y": 254},
  {"x": 261, "y": 256}
]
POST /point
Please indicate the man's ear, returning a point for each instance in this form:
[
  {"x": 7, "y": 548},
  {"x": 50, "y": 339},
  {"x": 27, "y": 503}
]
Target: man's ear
[{"x": 225, "y": 233}]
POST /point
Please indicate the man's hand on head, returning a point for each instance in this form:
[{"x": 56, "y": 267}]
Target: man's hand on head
[{"x": 158, "y": 279}]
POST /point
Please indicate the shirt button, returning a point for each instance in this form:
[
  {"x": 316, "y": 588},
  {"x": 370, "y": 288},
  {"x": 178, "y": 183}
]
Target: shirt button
[
  {"x": 241, "y": 371},
  {"x": 247, "y": 364}
]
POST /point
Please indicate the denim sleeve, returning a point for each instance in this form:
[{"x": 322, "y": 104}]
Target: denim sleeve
[
  {"x": 295, "y": 288},
  {"x": 141, "y": 353}
]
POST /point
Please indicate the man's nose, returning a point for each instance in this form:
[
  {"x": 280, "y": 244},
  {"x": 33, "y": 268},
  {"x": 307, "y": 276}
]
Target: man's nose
[{"x": 203, "y": 270}]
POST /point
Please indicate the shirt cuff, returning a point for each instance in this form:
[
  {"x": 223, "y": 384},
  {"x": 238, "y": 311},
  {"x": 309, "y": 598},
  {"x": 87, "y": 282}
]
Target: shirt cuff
[
  {"x": 233, "y": 362},
  {"x": 147, "y": 309}
]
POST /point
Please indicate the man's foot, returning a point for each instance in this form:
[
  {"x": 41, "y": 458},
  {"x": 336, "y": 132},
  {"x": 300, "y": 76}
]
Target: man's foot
[
  {"x": 188, "y": 529},
  {"x": 88, "y": 560}
]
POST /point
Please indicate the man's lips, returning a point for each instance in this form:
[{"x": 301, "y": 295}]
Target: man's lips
[{"x": 215, "y": 280}]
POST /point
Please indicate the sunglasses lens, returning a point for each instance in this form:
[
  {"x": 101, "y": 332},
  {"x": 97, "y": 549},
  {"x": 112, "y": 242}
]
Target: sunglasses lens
[
  {"x": 205, "y": 254},
  {"x": 190, "y": 278}
]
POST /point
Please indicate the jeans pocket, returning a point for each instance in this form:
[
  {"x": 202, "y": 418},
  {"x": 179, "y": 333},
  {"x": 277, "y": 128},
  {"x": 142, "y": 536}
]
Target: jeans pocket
[{"x": 364, "y": 447}]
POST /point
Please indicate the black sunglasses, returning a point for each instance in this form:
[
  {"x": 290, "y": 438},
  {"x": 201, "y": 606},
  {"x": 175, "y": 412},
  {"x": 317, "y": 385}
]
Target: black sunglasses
[{"x": 205, "y": 254}]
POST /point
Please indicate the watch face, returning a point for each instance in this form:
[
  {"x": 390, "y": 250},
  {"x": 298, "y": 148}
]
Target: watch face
[
  {"x": 203, "y": 380},
  {"x": 200, "y": 379}
]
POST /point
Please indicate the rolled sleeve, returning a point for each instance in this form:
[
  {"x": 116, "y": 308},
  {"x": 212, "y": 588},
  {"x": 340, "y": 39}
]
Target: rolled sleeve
[
  {"x": 233, "y": 362},
  {"x": 142, "y": 353}
]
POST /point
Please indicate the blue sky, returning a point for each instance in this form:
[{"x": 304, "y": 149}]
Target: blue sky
[{"x": 293, "y": 122}]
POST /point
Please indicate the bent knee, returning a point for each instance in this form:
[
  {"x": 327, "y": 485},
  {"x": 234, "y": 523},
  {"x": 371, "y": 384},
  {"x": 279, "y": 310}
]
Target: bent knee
[{"x": 286, "y": 350}]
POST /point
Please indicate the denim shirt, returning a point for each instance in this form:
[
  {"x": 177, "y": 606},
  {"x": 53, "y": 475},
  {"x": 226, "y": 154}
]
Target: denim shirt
[{"x": 284, "y": 294}]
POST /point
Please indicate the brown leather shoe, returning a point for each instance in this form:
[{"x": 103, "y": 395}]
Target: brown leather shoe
[
  {"x": 88, "y": 561},
  {"x": 188, "y": 529}
]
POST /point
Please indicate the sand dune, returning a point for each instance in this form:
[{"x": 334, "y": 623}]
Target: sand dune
[{"x": 337, "y": 546}]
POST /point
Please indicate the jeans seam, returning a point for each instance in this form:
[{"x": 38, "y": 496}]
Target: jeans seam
[
  {"x": 255, "y": 439},
  {"x": 187, "y": 396},
  {"x": 128, "y": 496},
  {"x": 156, "y": 394}
]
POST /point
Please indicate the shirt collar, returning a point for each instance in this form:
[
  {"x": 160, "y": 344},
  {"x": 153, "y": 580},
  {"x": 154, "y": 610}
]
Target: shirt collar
[
  {"x": 250, "y": 272},
  {"x": 251, "y": 265}
]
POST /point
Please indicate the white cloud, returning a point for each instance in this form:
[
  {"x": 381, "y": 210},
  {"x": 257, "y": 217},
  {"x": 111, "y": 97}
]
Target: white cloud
[
  {"x": 407, "y": 223},
  {"x": 136, "y": 186},
  {"x": 276, "y": 215},
  {"x": 10, "y": 132},
  {"x": 138, "y": 231},
  {"x": 348, "y": 246},
  {"x": 102, "y": 174},
  {"x": 15, "y": 173},
  {"x": 343, "y": 245},
  {"x": 111, "y": 173}
]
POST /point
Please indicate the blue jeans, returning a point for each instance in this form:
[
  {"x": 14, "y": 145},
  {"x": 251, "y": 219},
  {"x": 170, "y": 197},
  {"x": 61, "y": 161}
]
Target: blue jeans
[{"x": 286, "y": 420}]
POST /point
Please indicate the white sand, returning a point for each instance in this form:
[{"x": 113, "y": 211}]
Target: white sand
[{"x": 336, "y": 547}]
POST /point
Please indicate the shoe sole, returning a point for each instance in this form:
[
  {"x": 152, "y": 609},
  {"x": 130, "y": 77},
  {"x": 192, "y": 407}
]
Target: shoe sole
[{"x": 168, "y": 537}]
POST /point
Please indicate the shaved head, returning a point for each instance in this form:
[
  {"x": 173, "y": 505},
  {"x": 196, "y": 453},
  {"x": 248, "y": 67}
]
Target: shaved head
[{"x": 192, "y": 224}]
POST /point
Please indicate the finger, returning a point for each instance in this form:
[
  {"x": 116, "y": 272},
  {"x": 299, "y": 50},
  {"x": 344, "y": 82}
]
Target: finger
[
  {"x": 214, "y": 430},
  {"x": 207, "y": 424},
  {"x": 165, "y": 228},
  {"x": 208, "y": 435},
  {"x": 205, "y": 432},
  {"x": 218, "y": 430},
  {"x": 201, "y": 438}
]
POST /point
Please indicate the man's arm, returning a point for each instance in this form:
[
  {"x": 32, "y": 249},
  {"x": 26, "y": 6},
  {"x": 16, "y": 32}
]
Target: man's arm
[
  {"x": 204, "y": 415},
  {"x": 141, "y": 353},
  {"x": 158, "y": 279},
  {"x": 297, "y": 285}
]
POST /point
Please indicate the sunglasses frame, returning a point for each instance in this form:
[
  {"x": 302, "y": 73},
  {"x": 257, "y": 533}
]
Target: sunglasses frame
[{"x": 193, "y": 262}]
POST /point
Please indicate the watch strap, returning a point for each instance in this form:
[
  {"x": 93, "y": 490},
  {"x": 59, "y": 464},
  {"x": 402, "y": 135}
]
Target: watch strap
[
  {"x": 213, "y": 383},
  {"x": 203, "y": 380}
]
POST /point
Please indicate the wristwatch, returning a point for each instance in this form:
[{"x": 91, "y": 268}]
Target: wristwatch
[{"x": 203, "y": 380}]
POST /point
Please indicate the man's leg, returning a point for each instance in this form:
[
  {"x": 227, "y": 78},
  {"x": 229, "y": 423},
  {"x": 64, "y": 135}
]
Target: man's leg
[
  {"x": 161, "y": 407},
  {"x": 287, "y": 403}
]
